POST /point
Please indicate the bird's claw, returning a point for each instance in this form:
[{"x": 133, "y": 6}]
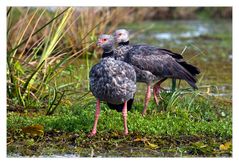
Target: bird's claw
[
  {"x": 92, "y": 134},
  {"x": 143, "y": 114},
  {"x": 126, "y": 133}
]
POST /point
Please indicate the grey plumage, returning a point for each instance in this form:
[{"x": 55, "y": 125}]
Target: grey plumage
[
  {"x": 113, "y": 81},
  {"x": 159, "y": 62},
  {"x": 152, "y": 63}
]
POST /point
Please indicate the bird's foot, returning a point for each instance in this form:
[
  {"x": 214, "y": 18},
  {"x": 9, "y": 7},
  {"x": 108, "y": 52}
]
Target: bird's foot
[
  {"x": 143, "y": 113},
  {"x": 92, "y": 134},
  {"x": 126, "y": 133},
  {"x": 156, "y": 100}
]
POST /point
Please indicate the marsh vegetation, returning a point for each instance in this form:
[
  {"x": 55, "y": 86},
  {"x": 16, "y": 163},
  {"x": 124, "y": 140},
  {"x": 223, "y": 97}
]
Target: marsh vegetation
[{"x": 50, "y": 109}]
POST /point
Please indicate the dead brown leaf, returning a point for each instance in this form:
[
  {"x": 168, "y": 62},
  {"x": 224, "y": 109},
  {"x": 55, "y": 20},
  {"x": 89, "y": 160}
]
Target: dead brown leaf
[{"x": 34, "y": 130}]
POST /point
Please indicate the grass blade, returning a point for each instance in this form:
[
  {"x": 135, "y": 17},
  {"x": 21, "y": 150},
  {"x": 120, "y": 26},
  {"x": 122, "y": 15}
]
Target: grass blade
[{"x": 45, "y": 25}]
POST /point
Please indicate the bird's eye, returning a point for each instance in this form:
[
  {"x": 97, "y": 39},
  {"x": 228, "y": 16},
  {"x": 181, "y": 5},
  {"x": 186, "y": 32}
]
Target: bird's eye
[
  {"x": 120, "y": 34},
  {"x": 104, "y": 39}
]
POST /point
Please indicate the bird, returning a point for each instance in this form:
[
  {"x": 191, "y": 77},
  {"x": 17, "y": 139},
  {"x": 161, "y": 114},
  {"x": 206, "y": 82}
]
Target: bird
[
  {"x": 153, "y": 64},
  {"x": 112, "y": 81},
  {"x": 108, "y": 51},
  {"x": 121, "y": 37}
]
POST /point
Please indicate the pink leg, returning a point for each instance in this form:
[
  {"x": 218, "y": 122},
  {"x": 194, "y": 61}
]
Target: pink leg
[
  {"x": 147, "y": 98},
  {"x": 124, "y": 114},
  {"x": 97, "y": 113},
  {"x": 156, "y": 90}
]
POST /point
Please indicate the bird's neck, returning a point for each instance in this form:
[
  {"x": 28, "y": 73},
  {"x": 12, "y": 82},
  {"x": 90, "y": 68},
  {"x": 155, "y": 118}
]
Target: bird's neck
[
  {"x": 108, "y": 54},
  {"x": 124, "y": 43}
]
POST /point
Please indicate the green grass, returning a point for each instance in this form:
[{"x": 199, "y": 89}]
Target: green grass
[{"x": 190, "y": 118}]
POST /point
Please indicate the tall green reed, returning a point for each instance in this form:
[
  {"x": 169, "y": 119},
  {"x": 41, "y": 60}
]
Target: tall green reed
[
  {"x": 42, "y": 44},
  {"x": 24, "y": 82}
]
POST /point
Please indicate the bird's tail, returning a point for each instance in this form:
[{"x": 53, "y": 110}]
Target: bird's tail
[
  {"x": 190, "y": 68},
  {"x": 179, "y": 58},
  {"x": 183, "y": 73},
  {"x": 119, "y": 107},
  {"x": 190, "y": 79}
]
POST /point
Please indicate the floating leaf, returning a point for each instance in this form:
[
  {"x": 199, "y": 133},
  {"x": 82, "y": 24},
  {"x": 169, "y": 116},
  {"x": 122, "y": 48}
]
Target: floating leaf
[
  {"x": 137, "y": 139},
  {"x": 223, "y": 114},
  {"x": 146, "y": 143},
  {"x": 208, "y": 90},
  {"x": 151, "y": 146},
  {"x": 115, "y": 134},
  {"x": 225, "y": 146},
  {"x": 140, "y": 139},
  {"x": 200, "y": 144},
  {"x": 34, "y": 130}
]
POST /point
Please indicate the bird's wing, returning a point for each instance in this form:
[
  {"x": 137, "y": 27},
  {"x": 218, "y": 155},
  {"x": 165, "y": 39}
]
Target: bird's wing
[
  {"x": 159, "y": 65},
  {"x": 152, "y": 50},
  {"x": 147, "y": 50}
]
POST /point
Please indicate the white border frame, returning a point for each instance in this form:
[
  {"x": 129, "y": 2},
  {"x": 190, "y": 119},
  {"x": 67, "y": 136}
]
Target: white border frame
[{"x": 159, "y": 3}]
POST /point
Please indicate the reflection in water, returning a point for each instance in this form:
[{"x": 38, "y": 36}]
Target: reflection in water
[
  {"x": 166, "y": 36},
  {"x": 200, "y": 30},
  {"x": 194, "y": 32}
]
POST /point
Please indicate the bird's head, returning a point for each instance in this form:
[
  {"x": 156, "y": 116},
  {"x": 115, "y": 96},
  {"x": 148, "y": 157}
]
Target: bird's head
[
  {"x": 121, "y": 35},
  {"x": 106, "y": 42}
]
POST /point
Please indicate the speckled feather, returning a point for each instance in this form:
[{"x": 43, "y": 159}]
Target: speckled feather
[
  {"x": 152, "y": 63},
  {"x": 113, "y": 81}
]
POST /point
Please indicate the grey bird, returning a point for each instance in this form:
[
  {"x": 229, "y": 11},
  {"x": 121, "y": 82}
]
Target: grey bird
[
  {"x": 108, "y": 51},
  {"x": 112, "y": 81},
  {"x": 153, "y": 64}
]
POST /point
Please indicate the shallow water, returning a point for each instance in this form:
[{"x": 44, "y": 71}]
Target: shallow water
[{"x": 196, "y": 31}]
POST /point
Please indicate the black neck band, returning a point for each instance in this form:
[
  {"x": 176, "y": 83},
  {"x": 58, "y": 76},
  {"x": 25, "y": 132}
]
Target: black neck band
[
  {"x": 124, "y": 43},
  {"x": 107, "y": 54}
]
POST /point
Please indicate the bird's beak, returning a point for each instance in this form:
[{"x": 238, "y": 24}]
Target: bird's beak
[{"x": 99, "y": 42}]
